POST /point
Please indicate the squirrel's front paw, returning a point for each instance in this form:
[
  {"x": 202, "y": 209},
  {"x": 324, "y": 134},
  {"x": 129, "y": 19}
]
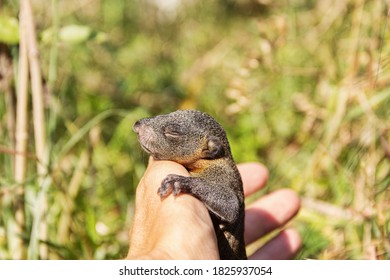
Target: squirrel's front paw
[{"x": 175, "y": 184}]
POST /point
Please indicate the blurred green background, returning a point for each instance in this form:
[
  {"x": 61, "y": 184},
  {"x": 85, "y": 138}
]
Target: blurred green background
[{"x": 301, "y": 86}]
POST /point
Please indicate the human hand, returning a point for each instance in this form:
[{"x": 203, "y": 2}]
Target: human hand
[
  {"x": 180, "y": 227},
  {"x": 174, "y": 228},
  {"x": 269, "y": 213}
]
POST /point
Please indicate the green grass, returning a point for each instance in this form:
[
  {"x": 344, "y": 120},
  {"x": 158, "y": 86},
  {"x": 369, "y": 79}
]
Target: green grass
[{"x": 301, "y": 86}]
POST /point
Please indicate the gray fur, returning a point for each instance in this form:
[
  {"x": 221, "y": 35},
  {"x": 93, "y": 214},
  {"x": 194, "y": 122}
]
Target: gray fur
[{"x": 198, "y": 142}]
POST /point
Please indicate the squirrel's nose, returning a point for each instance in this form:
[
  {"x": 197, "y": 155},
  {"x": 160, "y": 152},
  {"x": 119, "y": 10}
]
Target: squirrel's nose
[{"x": 137, "y": 126}]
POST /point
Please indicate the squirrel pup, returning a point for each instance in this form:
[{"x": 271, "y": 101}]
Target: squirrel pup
[{"x": 199, "y": 143}]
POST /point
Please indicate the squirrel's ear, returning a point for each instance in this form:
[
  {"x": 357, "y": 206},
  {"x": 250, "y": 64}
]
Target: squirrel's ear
[{"x": 214, "y": 148}]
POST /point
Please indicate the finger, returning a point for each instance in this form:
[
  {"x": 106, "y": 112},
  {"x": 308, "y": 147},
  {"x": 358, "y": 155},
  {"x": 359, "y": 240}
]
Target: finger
[
  {"x": 148, "y": 203},
  {"x": 177, "y": 218},
  {"x": 254, "y": 176},
  {"x": 270, "y": 212},
  {"x": 284, "y": 246}
]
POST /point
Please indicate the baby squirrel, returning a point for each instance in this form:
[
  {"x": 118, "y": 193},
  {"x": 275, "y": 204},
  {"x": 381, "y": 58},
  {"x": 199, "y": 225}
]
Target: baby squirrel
[{"x": 199, "y": 143}]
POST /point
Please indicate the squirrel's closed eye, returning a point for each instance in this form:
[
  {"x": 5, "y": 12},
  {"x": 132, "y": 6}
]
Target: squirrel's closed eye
[
  {"x": 172, "y": 131},
  {"x": 172, "y": 134}
]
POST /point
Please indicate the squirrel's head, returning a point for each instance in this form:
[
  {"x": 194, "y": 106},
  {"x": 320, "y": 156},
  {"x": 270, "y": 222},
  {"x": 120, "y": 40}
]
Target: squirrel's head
[{"x": 184, "y": 136}]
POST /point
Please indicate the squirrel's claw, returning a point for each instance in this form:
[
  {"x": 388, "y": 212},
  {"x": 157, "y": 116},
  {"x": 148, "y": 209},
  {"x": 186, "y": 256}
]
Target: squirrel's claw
[{"x": 174, "y": 184}]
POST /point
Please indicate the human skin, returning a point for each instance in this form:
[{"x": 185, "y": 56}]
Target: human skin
[{"x": 180, "y": 227}]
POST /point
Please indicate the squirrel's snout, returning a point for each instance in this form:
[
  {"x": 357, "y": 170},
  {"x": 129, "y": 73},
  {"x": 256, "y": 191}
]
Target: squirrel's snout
[
  {"x": 143, "y": 130},
  {"x": 137, "y": 126}
]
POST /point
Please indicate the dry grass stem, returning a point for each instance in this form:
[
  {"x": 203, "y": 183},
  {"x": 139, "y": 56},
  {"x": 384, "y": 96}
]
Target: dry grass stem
[
  {"x": 39, "y": 126},
  {"x": 21, "y": 137},
  {"x": 334, "y": 211},
  {"x": 69, "y": 197}
]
